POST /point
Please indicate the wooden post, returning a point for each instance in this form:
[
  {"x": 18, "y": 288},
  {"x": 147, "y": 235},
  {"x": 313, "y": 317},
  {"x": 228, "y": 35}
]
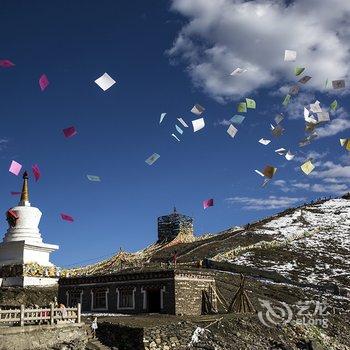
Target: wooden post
[
  {"x": 52, "y": 313},
  {"x": 22, "y": 316},
  {"x": 79, "y": 313}
]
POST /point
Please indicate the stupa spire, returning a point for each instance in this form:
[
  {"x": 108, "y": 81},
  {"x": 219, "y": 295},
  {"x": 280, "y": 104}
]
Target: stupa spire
[{"x": 25, "y": 192}]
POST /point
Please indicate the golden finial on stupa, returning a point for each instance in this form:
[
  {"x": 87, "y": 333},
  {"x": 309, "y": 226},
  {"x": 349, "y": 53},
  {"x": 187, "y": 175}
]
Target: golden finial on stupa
[{"x": 25, "y": 192}]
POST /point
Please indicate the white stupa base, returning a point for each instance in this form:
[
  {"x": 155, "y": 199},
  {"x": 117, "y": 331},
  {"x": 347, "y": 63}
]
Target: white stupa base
[
  {"x": 20, "y": 252},
  {"x": 28, "y": 281}
]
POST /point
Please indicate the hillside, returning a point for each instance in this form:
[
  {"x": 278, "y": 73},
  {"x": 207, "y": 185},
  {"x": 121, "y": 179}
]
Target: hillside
[
  {"x": 310, "y": 245},
  {"x": 307, "y": 245}
]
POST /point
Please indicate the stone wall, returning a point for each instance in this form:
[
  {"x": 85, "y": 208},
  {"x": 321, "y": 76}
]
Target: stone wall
[
  {"x": 120, "y": 336},
  {"x": 168, "y": 337},
  {"x": 15, "y": 296},
  {"x": 163, "y": 337},
  {"x": 65, "y": 336},
  {"x": 189, "y": 291}
]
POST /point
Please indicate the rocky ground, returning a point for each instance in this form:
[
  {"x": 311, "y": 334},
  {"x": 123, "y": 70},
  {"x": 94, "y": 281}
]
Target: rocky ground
[{"x": 221, "y": 332}]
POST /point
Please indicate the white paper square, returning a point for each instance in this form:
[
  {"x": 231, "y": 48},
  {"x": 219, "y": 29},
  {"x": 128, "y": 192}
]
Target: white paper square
[
  {"x": 198, "y": 124},
  {"x": 232, "y": 131},
  {"x": 290, "y": 55},
  {"x": 197, "y": 109},
  {"x": 264, "y": 142},
  {"x": 105, "y": 82}
]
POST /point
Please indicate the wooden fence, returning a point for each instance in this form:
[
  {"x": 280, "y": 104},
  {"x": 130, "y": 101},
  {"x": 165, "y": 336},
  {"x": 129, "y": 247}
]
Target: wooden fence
[{"x": 50, "y": 316}]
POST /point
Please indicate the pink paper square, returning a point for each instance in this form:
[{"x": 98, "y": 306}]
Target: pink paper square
[
  {"x": 15, "y": 168},
  {"x": 69, "y": 132},
  {"x": 36, "y": 172},
  {"x": 6, "y": 64},
  {"x": 208, "y": 203},
  {"x": 67, "y": 217},
  {"x": 43, "y": 82}
]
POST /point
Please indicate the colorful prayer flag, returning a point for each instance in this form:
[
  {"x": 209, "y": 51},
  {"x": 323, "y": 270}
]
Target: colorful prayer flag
[
  {"x": 43, "y": 82},
  {"x": 334, "y": 105},
  {"x": 36, "y": 172},
  {"x": 208, "y": 203},
  {"x": 242, "y": 107},
  {"x": 105, "y": 81},
  {"x": 67, "y": 217},
  {"x": 162, "y": 117},
  {"x": 197, "y": 109},
  {"x": 15, "y": 168},
  {"x": 232, "y": 131},
  {"x": 178, "y": 129},
  {"x": 198, "y": 124},
  {"x": 298, "y": 70},
  {"x": 286, "y": 100},
  {"x": 250, "y": 103},
  {"x": 6, "y": 64},
  {"x": 93, "y": 178},
  {"x": 150, "y": 160},
  {"x": 269, "y": 171},
  {"x": 69, "y": 132},
  {"x": 290, "y": 55},
  {"x": 237, "y": 119},
  {"x": 338, "y": 84},
  {"x": 307, "y": 167},
  {"x": 182, "y": 122}
]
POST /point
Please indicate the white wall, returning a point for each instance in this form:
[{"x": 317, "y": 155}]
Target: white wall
[{"x": 32, "y": 255}]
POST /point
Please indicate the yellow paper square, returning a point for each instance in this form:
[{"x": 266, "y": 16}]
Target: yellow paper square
[{"x": 307, "y": 167}]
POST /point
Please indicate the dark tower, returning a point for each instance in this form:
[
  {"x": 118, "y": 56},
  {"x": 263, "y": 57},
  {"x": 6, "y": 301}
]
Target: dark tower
[{"x": 174, "y": 225}]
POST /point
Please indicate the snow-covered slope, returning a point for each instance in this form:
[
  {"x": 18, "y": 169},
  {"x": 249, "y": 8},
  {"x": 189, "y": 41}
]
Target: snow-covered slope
[{"x": 310, "y": 245}]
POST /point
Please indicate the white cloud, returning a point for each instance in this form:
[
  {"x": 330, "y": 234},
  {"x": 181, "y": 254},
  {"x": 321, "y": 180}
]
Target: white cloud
[
  {"x": 282, "y": 184},
  {"x": 345, "y": 158},
  {"x": 271, "y": 202},
  {"x": 222, "y": 35},
  {"x": 335, "y": 126},
  {"x": 310, "y": 155},
  {"x": 301, "y": 185},
  {"x": 295, "y": 108},
  {"x": 329, "y": 188},
  {"x": 3, "y": 144},
  {"x": 332, "y": 170}
]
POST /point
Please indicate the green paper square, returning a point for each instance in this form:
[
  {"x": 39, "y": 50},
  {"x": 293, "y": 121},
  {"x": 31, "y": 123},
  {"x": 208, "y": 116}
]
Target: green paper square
[
  {"x": 298, "y": 70},
  {"x": 242, "y": 107},
  {"x": 286, "y": 100},
  {"x": 334, "y": 105},
  {"x": 250, "y": 103}
]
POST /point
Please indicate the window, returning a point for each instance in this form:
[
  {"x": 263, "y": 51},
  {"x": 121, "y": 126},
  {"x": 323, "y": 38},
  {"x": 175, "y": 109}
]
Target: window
[
  {"x": 126, "y": 298},
  {"x": 74, "y": 297},
  {"x": 99, "y": 299}
]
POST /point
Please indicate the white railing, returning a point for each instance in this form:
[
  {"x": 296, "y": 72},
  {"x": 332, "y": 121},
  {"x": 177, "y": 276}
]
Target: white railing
[{"x": 50, "y": 316}]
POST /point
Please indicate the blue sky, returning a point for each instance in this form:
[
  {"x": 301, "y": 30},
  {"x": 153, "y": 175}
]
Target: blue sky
[{"x": 165, "y": 56}]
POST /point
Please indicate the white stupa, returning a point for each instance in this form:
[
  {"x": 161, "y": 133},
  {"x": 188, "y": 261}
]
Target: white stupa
[{"x": 24, "y": 258}]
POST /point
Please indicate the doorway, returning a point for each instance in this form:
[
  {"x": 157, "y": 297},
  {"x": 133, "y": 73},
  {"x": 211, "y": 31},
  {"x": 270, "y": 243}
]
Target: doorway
[{"x": 153, "y": 300}]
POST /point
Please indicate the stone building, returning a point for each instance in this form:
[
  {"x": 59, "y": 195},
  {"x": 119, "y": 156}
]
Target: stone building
[
  {"x": 146, "y": 289},
  {"x": 169, "y": 291},
  {"x": 24, "y": 257}
]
